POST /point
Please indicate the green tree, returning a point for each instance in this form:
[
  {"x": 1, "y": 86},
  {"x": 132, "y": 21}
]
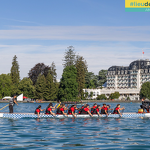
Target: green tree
[
  {"x": 145, "y": 90},
  {"x": 91, "y": 94},
  {"x": 53, "y": 71},
  {"x": 68, "y": 84},
  {"x": 26, "y": 87},
  {"x": 90, "y": 80},
  {"x": 86, "y": 95},
  {"x": 38, "y": 69},
  {"x": 114, "y": 95},
  {"x": 101, "y": 97},
  {"x": 40, "y": 87},
  {"x": 5, "y": 85},
  {"x": 69, "y": 58},
  {"x": 15, "y": 75},
  {"x": 50, "y": 92},
  {"x": 102, "y": 77},
  {"x": 81, "y": 67}
]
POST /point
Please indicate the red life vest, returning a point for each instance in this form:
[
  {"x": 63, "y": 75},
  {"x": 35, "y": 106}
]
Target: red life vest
[
  {"x": 48, "y": 111},
  {"x": 93, "y": 110},
  {"x": 59, "y": 111},
  {"x": 71, "y": 109},
  {"x": 37, "y": 110},
  {"x": 85, "y": 110},
  {"x": 80, "y": 110},
  {"x": 116, "y": 110},
  {"x": 103, "y": 110}
]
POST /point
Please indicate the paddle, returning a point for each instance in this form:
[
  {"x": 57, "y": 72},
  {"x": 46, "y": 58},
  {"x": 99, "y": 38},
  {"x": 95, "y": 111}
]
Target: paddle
[{"x": 4, "y": 107}]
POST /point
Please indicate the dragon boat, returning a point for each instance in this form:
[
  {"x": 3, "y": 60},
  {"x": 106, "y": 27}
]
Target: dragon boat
[{"x": 32, "y": 115}]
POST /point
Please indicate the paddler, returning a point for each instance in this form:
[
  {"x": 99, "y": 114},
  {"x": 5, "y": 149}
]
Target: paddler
[
  {"x": 93, "y": 109},
  {"x": 49, "y": 109},
  {"x": 12, "y": 101},
  {"x": 117, "y": 110},
  {"x": 81, "y": 109},
  {"x": 96, "y": 111},
  {"x": 38, "y": 110},
  {"x": 86, "y": 110},
  {"x": 145, "y": 105},
  {"x": 71, "y": 110},
  {"x": 104, "y": 109},
  {"x": 108, "y": 108},
  {"x": 61, "y": 110}
]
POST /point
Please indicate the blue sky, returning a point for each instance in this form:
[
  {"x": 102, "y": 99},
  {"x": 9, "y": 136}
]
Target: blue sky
[{"x": 100, "y": 31}]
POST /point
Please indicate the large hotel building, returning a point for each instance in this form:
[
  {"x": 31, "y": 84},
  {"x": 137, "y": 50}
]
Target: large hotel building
[{"x": 125, "y": 80}]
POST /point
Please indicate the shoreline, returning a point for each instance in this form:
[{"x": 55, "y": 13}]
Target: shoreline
[{"x": 83, "y": 101}]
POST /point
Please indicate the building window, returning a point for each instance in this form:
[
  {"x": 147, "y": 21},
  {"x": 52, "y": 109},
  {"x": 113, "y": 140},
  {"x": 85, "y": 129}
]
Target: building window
[{"x": 93, "y": 93}]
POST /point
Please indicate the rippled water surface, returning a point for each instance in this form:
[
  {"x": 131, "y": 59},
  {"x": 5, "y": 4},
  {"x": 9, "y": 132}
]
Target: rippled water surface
[{"x": 90, "y": 133}]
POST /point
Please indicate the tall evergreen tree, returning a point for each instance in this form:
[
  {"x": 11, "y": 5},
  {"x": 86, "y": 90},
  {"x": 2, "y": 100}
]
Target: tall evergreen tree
[
  {"x": 68, "y": 84},
  {"x": 81, "y": 67},
  {"x": 26, "y": 87},
  {"x": 5, "y": 85},
  {"x": 40, "y": 87},
  {"x": 15, "y": 75},
  {"x": 50, "y": 89},
  {"x": 90, "y": 80},
  {"x": 69, "y": 57},
  {"x": 53, "y": 71},
  {"x": 102, "y": 77}
]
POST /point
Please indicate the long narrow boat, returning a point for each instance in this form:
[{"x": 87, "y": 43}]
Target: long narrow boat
[{"x": 32, "y": 115}]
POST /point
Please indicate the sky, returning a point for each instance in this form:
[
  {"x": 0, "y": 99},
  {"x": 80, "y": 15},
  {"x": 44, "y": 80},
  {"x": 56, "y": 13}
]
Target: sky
[{"x": 99, "y": 30}]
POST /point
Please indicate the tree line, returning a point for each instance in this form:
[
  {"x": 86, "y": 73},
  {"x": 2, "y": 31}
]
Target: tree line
[{"x": 41, "y": 82}]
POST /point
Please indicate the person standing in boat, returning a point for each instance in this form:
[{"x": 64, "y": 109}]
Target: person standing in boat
[
  {"x": 38, "y": 110},
  {"x": 117, "y": 110},
  {"x": 12, "y": 101}
]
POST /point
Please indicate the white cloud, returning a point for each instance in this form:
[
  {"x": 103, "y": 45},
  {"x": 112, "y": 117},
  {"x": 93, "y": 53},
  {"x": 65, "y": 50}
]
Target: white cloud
[{"x": 86, "y": 33}]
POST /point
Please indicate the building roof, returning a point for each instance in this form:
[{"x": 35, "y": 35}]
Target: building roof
[{"x": 135, "y": 65}]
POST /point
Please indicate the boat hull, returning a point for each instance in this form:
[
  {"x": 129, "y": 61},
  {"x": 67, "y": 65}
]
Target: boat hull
[{"x": 32, "y": 115}]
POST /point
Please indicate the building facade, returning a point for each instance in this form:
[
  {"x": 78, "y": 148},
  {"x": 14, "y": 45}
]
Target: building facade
[{"x": 125, "y": 80}]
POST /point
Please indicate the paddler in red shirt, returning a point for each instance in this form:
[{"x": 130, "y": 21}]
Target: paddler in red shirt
[
  {"x": 61, "y": 110},
  {"x": 104, "y": 109},
  {"x": 93, "y": 109},
  {"x": 98, "y": 108},
  {"x": 72, "y": 109},
  {"x": 117, "y": 110},
  {"x": 86, "y": 110},
  {"x": 49, "y": 109},
  {"x": 38, "y": 110},
  {"x": 81, "y": 109}
]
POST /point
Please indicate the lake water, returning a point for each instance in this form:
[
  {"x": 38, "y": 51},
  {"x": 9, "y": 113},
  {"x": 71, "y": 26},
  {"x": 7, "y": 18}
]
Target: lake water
[{"x": 68, "y": 134}]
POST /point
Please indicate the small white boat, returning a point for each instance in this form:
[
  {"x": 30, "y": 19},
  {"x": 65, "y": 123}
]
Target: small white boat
[{"x": 32, "y": 115}]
